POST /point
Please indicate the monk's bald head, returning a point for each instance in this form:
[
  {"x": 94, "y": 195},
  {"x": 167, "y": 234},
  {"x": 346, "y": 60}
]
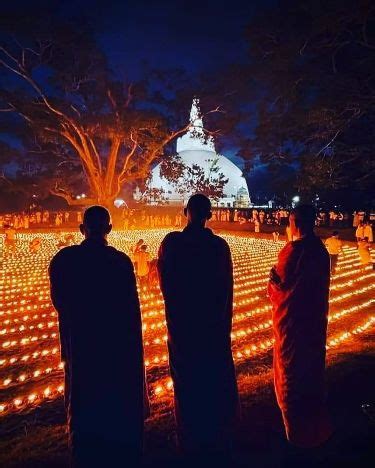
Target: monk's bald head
[
  {"x": 198, "y": 209},
  {"x": 96, "y": 222}
]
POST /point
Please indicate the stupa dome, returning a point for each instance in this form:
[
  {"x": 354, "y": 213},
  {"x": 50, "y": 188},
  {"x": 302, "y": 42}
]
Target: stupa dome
[{"x": 196, "y": 148}]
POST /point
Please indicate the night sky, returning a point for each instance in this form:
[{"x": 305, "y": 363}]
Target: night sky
[{"x": 196, "y": 35}]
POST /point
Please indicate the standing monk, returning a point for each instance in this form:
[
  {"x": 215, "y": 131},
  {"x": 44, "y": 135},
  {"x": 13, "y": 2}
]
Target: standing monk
[
  {"x": 195, "y": 270},
  {"x": 93, "y": 289},
  {"x": 299, "y": 289}
]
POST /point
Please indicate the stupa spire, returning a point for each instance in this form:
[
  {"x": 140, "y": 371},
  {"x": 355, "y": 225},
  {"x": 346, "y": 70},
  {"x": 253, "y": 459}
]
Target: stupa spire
[
  {"x": 195, "y": 138},
  {"x": 195, "y": 115}
]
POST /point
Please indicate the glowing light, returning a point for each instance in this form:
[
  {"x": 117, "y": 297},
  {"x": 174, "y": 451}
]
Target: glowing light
[
  {"x": 119, "y": 202},
  {"x": 31, "y": 367}
]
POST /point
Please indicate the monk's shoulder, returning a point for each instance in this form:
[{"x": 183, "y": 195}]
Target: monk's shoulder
[
  {"x": 65, "y": 256},
  {"x": 309, "y": 248},
  {"x": 120, "y": 257},
  {"x": 289, "y": 249},
  {"x": 221, "y": 243},
  {"x": 171, "y": 240},
  {"x": 321, "y": 249}
]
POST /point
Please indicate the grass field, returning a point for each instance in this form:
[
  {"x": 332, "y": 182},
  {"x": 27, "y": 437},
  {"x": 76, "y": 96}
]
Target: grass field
[{"x": 31, "y": 409}]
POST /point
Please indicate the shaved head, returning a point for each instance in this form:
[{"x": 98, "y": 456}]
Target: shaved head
[
  {"x": 96, "y": 221},
  {"x": 199, "y": 207}
]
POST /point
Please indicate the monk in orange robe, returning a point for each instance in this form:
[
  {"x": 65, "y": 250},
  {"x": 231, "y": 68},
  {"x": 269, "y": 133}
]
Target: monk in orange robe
[{"x": 299, "y": 290}]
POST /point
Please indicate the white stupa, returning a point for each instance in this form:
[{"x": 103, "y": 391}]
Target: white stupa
[{"x": 196, "y": 148}]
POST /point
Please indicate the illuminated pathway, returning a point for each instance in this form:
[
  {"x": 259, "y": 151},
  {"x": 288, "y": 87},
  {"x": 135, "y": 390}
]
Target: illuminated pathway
[{"x": 30, "y": 368}]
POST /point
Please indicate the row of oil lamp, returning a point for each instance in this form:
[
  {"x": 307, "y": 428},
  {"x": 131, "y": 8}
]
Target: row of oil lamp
[
  {"x": 25, "y": 341},
  {"x": 238, "y": 334},
  {"x": 237, "y": 304},
  {"x": 163, "y": 358},
  {"x": 21, "y": 402},
  {"x": 262, "y": 254}
]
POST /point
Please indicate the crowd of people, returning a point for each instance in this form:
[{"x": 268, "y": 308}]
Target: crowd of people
[
  {"x": 166, "y": 217},
  {"x": 40, "y": 219},
  {"x": 195, "y": 272},
  {"x": 259, "y": 217},
  {"x": 124, "y": 219},
  {"x": 145, "y": 266},
  {"x": 154, "y": 218}
]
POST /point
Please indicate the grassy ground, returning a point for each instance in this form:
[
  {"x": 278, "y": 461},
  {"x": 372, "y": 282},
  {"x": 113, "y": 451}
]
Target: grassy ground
[{"x": 37, "y": 439}]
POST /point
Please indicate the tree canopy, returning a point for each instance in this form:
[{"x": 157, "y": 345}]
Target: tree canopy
[
  {"x": 313, "y": 66},
  {"x": 81, "y": 125}
]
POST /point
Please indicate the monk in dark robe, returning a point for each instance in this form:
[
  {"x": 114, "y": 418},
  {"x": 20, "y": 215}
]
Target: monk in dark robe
[
  {"x": 299, "y": 289},
  {"x": 196, "y": 278},
  {"x": 93, "y": 289}
]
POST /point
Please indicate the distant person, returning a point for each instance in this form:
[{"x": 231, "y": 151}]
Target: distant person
[
  {"x": 256, "y": 225},
  {"x": 142, "y": 259},
  {"x": 364, "y": 252},
  {"x": 16, "y": 223},
  {"x": 334, "y": 246},
  {"x": 10, "y": 237},
  {"x": 45, "y": 217},
  {"x": 58, "y": 220},
  {"x": 64, "y": 240},
  {"x": 93, "y": 289},
  {"x": 299, "y": 289},
  {"x": 360, "y": 231},
  {"x": 367, "y": 232},
  {"x": 35, "y": 244},
  {"x": 195, "y": 270},
  {"x": 355, "y": 219},
  {"x": 134, "y": 249},
  {"x": 26, "y": 221},
  {"x": 137, "y": 247}
]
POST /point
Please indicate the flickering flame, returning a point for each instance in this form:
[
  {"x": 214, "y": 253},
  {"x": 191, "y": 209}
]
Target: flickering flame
[{"x": 29, "y": 324}]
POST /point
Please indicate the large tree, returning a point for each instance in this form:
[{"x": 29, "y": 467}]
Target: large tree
[
  {"x": 81, "y": 126},
  {"x": 309, "y": 88}
]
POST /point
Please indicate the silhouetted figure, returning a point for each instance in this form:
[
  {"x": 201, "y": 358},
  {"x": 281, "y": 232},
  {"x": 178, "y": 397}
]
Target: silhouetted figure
[
  {"x": 93, "y": 288},
  {"x": 142, "y": 260},
  {"x": 195, "y": 270},
  {"x": 299, "y": 289}
]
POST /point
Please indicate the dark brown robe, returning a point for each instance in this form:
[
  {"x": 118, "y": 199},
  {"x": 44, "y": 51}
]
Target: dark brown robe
[
  {"x": 299, "y": 290},
  {"x": 93, "y": 289},
  {"x": 196, "y": 277}
]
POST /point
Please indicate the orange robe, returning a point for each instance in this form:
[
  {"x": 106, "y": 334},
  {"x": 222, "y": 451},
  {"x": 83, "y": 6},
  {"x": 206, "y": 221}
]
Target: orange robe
[{"x": 299, "y": 290}]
